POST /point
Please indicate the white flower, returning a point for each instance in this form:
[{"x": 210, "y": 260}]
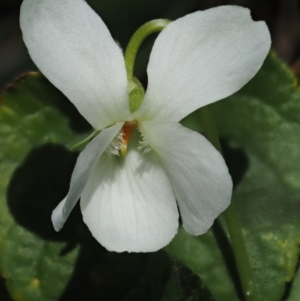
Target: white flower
[{"x": 129, "y": 204}]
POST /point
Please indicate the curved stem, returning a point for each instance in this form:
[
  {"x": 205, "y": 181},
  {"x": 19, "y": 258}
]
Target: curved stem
[
  {"x": 137, "y": 39},
  {"x": 85, "y": 141},
  {"x": 232, "y": 219}
]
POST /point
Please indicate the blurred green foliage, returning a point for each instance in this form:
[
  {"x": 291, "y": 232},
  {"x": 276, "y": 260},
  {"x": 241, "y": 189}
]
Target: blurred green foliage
[
  {"x": 32, "y": 267},
  {"x": 295, "y": 292}
]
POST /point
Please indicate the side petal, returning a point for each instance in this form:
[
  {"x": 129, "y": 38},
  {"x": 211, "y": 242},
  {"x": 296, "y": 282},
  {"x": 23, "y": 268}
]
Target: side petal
[
  {"x": 128, "y": 203},
  {"x": 196, "y": 171},
  {"x": 83, "y": 168},
  {"x": 201, "y": 58},
  {"x": 73, "y": 48}
]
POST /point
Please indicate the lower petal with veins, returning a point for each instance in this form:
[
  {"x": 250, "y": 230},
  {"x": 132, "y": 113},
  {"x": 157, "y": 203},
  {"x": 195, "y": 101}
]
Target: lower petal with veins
[{"x": 128, "y": 203}]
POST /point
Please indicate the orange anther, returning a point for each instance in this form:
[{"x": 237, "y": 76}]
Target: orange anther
[{"x": 126, "y": 130}]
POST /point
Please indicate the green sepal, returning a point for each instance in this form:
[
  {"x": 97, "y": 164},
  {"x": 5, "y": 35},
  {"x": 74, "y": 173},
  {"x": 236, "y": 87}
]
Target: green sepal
[{"x": 136, "y": 94}]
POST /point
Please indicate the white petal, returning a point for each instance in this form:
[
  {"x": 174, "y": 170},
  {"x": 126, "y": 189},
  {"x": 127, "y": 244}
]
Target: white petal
[
  {"x": 196, "y": 171},
  {"x": 129, "y": 205},
  {"x": 201, "y": 58},
  {"x": 72, "y": 46},
  {"x": 83, "y": 168}
]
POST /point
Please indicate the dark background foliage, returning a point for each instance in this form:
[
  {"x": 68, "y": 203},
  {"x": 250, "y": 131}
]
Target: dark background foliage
[{"x": 124, "y": 17}]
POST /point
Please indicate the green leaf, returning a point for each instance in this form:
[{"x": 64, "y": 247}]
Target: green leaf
[
  {"x": 267, "y": 127},
  {"x": 272, "y": 234},
  {"x": 32, "y": 267},
  {"x": 168, "y": 280},
  {"x": 203, "y": 256},
  {"x": 184, "y": 285},
  {"x": 295, "y": 289},
  {"x": 262, "y": 119}
]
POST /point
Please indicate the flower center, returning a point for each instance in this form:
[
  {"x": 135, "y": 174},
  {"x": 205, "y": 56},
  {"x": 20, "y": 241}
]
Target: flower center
[{"x": 126, "y": 134}]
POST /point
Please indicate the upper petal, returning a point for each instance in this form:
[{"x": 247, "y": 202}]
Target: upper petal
[
  {"x": 201, "y": 58},
  {"x": 128, "y": 203},
  {"x": 196, "y": 171},
  {"x": 73, "y": 48},
  {"x": 83, "y": 168}
]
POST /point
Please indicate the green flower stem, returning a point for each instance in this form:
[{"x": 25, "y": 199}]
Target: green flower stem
[
  {"x": 137, "y": 39},
  {"x": 85, "y": 141},
  {"x": 231, "y": 217},
  {"x": 240, "y": 253}
]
